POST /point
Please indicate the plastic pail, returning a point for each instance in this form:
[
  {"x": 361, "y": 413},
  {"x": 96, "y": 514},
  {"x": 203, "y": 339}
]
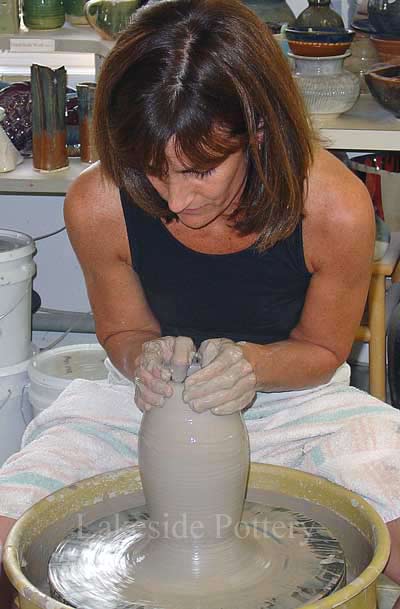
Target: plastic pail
[
  {"x": 51, "y": 372},
  {"x": 15, "y": 410},
  {"x": 16, "y": 271}
]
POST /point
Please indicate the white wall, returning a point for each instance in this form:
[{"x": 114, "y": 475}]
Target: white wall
[{"x": 59, "y": 278}]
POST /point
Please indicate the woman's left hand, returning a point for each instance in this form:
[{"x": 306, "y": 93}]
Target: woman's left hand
[{"x": 226, "y": 382}]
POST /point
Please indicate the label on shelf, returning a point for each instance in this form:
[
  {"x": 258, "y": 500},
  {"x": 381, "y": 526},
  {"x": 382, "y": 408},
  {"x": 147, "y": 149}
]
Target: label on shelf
[{"x": 32, "y": 45}]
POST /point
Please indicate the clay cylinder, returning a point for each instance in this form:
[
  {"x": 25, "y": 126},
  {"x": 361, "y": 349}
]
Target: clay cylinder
[
  {"x": 194, "y": 470},
  {"x": 49, "y": 139},
  {"x": 86, "y": 93}
]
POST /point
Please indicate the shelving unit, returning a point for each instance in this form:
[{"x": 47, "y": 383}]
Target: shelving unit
[
  {"x": 67, "y": 39},
  {"x": 27, "y": 181},
  {"x": 366, "y": 127}
]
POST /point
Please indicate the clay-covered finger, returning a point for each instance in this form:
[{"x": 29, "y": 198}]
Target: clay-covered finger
[
  {"x": 234, "y": 405},
  {"x": 182, "y": 357},
  {"x": 228, "y": 357},
  {"x": 146, "y": 399},
  {"x": 225, "y": 380},
  {"x": 209, "y": 350},
  {"x": 224, "y": 396},
  {"x": 154, "y": 384}
]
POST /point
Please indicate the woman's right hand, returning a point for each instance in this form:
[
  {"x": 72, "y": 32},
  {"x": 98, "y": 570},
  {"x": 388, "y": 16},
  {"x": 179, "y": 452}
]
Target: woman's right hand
[{"x": 161, "y": 361}]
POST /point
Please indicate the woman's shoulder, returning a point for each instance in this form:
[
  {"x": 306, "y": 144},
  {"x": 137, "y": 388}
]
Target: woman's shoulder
[
  {"x": 338, "y": 209},
  {"x": 93, "y": 210},
  {"x": 335, "y": 193},
  {"x": 93, "y": 187}
]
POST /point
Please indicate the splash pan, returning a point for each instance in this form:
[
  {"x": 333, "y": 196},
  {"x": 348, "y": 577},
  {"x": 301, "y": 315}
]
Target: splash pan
[{"x": 353, "y": 526}]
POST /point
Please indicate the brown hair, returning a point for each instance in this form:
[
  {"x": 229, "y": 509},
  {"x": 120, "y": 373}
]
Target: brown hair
[{"x": 184, "y": 68}]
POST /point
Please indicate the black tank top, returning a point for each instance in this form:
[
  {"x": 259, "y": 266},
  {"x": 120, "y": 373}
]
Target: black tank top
[{"x": 246, "y": 295}]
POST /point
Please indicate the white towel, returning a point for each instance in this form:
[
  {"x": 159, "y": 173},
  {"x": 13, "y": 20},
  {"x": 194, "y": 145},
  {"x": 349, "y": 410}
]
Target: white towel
[{"x": 334, "y": 430}]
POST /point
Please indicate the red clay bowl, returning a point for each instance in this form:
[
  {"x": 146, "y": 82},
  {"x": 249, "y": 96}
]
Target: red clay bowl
[
  {"x": 388, "y": 49},
  {"x": 318, "y": 49},
  {"x": 310, "y": 42},
  {"x": 384, "y": 84}
]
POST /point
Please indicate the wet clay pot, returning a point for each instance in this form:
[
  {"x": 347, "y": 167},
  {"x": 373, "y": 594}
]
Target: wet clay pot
[{"x": 194, "y": 470}]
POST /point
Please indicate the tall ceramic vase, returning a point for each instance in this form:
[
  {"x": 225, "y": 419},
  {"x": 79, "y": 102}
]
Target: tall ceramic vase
[
  {"x": 194, "y": 470},
  {"x": 86, "y": 95},
  {"x": 49, "y": 139}
]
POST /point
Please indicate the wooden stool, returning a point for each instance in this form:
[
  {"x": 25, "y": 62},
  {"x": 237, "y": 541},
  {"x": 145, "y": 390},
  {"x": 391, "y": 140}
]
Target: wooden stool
[{"x": 374, "y": 332}]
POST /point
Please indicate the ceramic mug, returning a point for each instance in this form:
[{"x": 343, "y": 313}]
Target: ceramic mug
[{"x": 110, "y": 17}]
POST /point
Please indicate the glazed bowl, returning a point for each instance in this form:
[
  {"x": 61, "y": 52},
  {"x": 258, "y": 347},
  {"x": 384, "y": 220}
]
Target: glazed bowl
[
  {"x": 384, "y": 84},
  {"x": 388, "y": 48},
  {"x": 318, "y": 43}
]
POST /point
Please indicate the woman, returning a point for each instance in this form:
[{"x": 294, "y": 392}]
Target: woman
[{"x": 216, "y": 224}]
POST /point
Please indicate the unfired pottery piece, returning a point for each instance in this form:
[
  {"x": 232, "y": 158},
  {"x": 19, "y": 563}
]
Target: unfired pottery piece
[{"x": 189, "y": 550}]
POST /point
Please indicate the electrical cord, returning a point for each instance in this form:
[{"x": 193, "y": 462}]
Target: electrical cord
[
  {"x": 63, "y": 335},
  {"x": 56, "y": 232}
]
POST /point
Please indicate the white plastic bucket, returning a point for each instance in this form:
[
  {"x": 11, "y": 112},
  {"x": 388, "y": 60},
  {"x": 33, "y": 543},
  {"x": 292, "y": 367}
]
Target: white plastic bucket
[
  {"x": 51, "y": 372},
  {"x": 16, "y": 271},
  {"x": 15, "y": 409}
]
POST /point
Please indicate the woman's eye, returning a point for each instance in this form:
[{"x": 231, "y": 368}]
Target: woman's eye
[{"x": 202, "y": 174}]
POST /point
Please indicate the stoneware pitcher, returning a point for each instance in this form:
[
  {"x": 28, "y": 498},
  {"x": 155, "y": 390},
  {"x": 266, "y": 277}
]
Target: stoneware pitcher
[{"x": 110, "y": 17}]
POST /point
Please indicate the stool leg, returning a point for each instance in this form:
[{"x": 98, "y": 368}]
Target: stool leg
[{"x": 377, "y": 344}]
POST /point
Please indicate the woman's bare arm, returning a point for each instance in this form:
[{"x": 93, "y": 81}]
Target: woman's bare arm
[
  {"x": 338, "y": 235},
  {"x": 96, "y": 228}
]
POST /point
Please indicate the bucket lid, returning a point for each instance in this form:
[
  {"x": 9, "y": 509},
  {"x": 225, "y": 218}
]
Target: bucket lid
[
  {"x": 58, "y": 367},
  {"x": 14, "y": 245}
]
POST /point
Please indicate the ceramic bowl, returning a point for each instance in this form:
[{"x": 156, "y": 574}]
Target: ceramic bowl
[
  {"x": 388, "y": 48},
  {"x": 318, "y": 43},
  {"x": 384, "y": 84},
  {"x": 16, "y": 100}
]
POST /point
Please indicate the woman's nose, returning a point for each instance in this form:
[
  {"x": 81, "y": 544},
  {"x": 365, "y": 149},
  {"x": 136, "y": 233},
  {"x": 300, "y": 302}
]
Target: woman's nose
[{"x": 179, "y": 195}]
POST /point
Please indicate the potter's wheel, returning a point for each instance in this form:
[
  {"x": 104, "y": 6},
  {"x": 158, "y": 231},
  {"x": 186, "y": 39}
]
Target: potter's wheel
[{"x": 285, "y": 560}]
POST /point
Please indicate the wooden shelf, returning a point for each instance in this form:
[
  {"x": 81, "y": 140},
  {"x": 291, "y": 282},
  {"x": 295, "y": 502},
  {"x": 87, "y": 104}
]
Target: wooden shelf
[
  {"x": 67, "y": 39},
  {"x": 26, "y": 181},
  {"x": 366, "y": 127}
]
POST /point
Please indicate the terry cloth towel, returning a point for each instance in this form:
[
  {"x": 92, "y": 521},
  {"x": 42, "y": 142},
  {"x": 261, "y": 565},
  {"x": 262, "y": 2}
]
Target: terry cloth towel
[{"x": 334, "y": 430}]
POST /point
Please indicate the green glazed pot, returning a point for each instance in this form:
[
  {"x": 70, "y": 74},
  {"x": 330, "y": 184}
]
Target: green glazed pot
[
  {"x": 43, "y": 14},
  {"x": 110, "y": 17},
  {"x": 74, "y": 12}
]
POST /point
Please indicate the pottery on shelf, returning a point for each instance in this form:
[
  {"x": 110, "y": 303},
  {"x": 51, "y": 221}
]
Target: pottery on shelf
[
  {"x": 49, "y": 136},
  {"x": 110, "y": 17},
  {"x": 363, "y": 57},
  {"x": 384, "y": 16},
  {"x": 9, "y": 155},
  {"x": 311, "y": 42},
  {"x": 327, "y": 88},
  {"x": 319, "y": 16},
  {"x": 9, "y": 17},
  {"x": 272, "y": 11},
  {"x": 86, "y": 96},
  {"x": 16, "y": 99},
  {"x": 388, "y": 49},
  {"x": 43, "y": 14},
  {"x": 74, "y": 12},
  {"x": 384, "y": 84}
]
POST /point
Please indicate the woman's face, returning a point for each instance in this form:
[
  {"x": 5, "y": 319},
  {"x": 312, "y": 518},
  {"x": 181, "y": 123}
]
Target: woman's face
[{"x": 197, "y": 197}]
